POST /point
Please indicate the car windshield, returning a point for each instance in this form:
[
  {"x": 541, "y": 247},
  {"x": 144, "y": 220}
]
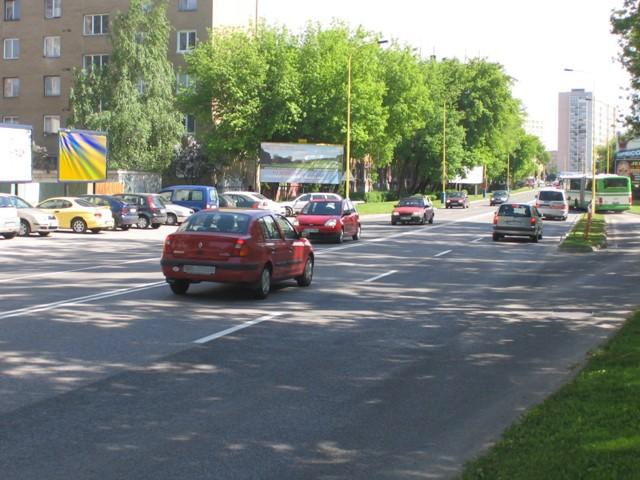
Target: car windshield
[
  {"x": 551, "y": 196},
  {"x": 222, "y": 222},
  {"x": 456, "y": 194},
  {"x": 499, "y": 193},
  {"x": 19, "y": 202},
  {"x": 157, "y": 201},
  {"x": 411, "y": 202},
  {"x": 322, "y": 208},
  {"x": 514, "y": 211}
]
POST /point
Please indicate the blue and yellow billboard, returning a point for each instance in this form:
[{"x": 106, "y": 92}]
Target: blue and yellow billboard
[{"x": 82, "y": 156}]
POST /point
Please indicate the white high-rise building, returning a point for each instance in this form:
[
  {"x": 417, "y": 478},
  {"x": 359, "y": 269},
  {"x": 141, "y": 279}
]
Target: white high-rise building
[{"x": 583, "y": 123}]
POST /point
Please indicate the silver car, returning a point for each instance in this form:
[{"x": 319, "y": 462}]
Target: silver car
[
  {"x": 552, "y": 203},
  {"x": 9, "y": 221},
  {"x": 32, "y": 220},
  {"x": 517, "y": 220},
  {"x": 176, "y": 214}
]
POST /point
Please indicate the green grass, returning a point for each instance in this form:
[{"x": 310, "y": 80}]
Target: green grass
[
  {"x": 635, "y": 208},
  {"x": 597, "y": 234},
  {"x": 378, "y": 207},
  {"x": 589, "y": 429}
]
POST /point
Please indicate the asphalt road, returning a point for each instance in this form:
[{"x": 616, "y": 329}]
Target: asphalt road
[{"x": 409, "y": 354}]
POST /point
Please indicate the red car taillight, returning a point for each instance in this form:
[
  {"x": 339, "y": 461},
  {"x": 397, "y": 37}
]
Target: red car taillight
[
  {"x": 495, "y": 219},
  {"x": 600, "y": 200},
  {"x": 533, "y": 220},
  {"x": 97, "y": 215},
  {"x": 240, "y": 249},
  {"x": 168, "y": 247}
]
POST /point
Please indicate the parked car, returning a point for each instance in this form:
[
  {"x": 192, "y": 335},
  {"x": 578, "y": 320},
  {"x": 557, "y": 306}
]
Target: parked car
[
  {"x": 416, "y": 209},
  {"x": 457, "y": 199},
  {"x": 332, "y": 219},
  {"x": 518, "y": 220},
  {"x": 251, "y": 247},
  {"x": 32, "y": 220},
  {"x": 151, "y": 211},
  {"x": 254, "y": 200},
  {"x": 226, "y": 201},
  {"x": 124, "y": 214},
  {"x": 9, "y": 220},
  {"x": 296, "y": 205},
  {"x": 553, "y": 203},
  {"x": 196, "y": 197},
  {"x": 176, "y": 214},
  {"x": 77, "y": 214},
  {"x": 498, "y": 197}
]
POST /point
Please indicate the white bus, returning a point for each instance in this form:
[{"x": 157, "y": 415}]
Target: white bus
[{"x": 613, "y": 192}]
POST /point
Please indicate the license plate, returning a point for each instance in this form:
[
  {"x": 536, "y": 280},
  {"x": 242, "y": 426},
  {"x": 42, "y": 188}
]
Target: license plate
[
  {"x": 199, "y": 269},
  {"x": 311, "y": 230},
  {"x": 132, "y": 210}
]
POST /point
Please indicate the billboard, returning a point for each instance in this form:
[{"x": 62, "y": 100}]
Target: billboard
[
  {"x": 82, "y": 156},
  {"x": 628, "y": 164},
  {"x": 301, "y": 163},
  {"x": 473, "y": 176},
  {"x": 15, "y": 153}
]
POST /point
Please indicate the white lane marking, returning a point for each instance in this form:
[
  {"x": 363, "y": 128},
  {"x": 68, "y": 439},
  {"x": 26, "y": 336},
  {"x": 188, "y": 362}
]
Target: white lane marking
[
  {"x": 443, "y": 253},
  {"x": 78, "y": 300},
  {"x": 44, "y": 274},
  {"x": 378, "y": 277},
  {"x": 477, "y": 240},
  {"x": 236, "y": 328}
]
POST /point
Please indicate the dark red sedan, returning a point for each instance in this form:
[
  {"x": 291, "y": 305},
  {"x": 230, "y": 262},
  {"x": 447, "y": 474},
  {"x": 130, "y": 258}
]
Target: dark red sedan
[
  {"x": 251, "y": 247},
  {"x": 329, "y": 219}
]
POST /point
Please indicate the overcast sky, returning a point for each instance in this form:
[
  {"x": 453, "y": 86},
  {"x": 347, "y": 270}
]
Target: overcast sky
[{"x": 534, "y": 40}]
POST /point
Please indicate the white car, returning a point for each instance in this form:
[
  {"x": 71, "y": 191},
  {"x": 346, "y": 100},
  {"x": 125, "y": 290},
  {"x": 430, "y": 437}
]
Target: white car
[
  {"x": 9, "y": 220},
  {"x": 176, "y": 214},
  {"x": 32, "y": 220},
  {"x": 255, "y": 200},
  {"x": 296, "y": 205}
]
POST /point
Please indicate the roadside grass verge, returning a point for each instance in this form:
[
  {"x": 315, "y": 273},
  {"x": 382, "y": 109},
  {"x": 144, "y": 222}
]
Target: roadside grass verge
[
  {"x": 635, "y": 208},
  {"x": 589, "y": 429},
  {"x": 597, "y": 235}
]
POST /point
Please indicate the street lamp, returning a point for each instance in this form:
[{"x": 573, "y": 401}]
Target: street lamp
[{"x": 348, "y": 152}]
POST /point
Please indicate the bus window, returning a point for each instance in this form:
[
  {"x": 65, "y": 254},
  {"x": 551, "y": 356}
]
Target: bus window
[{"x": 617, "y": 183}]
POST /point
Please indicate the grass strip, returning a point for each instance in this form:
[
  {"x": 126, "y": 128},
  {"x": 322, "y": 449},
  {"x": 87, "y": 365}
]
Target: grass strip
[
  {"x": 589, "y": 429},
  {"x": 597, "y": 234}
]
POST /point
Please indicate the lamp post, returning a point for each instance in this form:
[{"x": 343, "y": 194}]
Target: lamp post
[
  {"x": 444, "y": 154},
  {"x": 348, "y": 146}
]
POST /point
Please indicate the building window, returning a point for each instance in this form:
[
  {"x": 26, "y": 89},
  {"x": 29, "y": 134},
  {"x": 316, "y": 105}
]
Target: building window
[
  {"x": 186, "y": 40},
  {"x": 189, "y": 122},
  {"x": 11, "y": 87},
  {"x": 184, "y": 80},
  {"x": 11, "y": 10},
  {"x": 51, "y": 124},
  {"x": 51, "y": 47},
  {"x": 187, "y": 5},
  {"x": 99, "y": 60},
  {"x": 53, "y": 8},
  {"x": 11, "y": 48},
  {"x": 51, "y": 86},
  {"x": 13, "y": 119},
  {"x": 96, "y": 24}
]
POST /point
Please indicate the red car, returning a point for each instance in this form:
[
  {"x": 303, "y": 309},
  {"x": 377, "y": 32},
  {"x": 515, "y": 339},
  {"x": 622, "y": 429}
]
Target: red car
[
  {"x": 252, "y": 247},
  {"x": 457, "y": 199},
  {"x": 412, "y": 210},
  {"x": 332, "y": 219}
]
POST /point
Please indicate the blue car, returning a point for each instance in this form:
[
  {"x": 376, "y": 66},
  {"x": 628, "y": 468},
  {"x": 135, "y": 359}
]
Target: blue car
[
  {"x": 124, "y": 214},
  {"x": 196, "y": 197}
]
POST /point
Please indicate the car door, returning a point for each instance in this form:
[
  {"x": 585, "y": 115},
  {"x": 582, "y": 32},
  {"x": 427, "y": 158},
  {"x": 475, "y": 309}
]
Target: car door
[
  {"x": 296, "y": 247},
  {"x": 64, "y": 212},
  {"x": 275, "y": 247},
  {"x": 349, "y": 221}
]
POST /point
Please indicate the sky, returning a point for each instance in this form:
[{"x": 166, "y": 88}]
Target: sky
[{"x": 534, "y": 40}]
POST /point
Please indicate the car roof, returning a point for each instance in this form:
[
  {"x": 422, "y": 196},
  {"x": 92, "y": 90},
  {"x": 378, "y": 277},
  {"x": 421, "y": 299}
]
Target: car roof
[
  {"x": 172, "y": 187},
  {"x": 252, "y": 212}
]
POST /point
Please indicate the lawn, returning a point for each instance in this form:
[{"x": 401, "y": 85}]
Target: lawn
[
  {"x": 597, "y": 234},
  {"x": 635, "y": 208},
  {"x": 589, "y": 429}
]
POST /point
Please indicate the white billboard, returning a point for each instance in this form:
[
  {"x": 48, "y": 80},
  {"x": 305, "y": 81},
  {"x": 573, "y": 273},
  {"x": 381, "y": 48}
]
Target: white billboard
[{"x": 15, "y": 153}]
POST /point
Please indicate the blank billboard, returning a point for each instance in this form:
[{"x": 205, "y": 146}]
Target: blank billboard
[
  {"x": 82, "y": 156},
  {"x": 15, "y": 153}
]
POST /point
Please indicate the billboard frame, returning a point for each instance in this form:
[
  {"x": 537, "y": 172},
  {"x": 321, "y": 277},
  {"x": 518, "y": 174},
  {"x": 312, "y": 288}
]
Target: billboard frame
[{"x": 19, "y": 126}]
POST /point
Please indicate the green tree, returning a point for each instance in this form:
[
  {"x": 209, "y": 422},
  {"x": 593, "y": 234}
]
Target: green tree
[
  {"x": 133, "y": 98},
  {"x": 626, "y": 24}
]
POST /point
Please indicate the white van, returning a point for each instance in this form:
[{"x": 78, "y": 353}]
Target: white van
[
  {"x": 552, "y": 203},
  {"x": 9, "y": 220}
]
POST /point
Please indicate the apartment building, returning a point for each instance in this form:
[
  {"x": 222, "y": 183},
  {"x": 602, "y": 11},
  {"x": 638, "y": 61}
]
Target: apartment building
[
  {"x": 583, "y": 122},
  {"x": 44, "y": 40}
]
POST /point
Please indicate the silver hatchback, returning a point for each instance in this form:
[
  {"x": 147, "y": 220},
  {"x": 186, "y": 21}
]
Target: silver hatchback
[{"x": 518, "y": 220}]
